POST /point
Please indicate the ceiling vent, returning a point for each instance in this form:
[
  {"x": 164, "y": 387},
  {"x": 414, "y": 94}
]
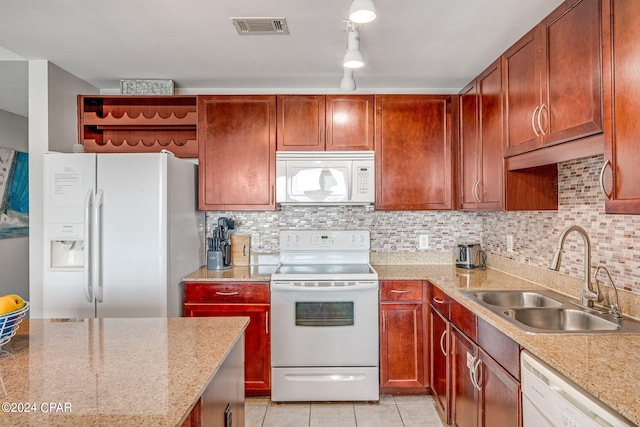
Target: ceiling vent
[{"x": 257, "y": 26}]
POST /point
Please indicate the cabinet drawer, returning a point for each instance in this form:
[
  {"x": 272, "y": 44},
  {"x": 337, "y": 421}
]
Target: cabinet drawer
[
  {"x": 229, "y": 292},
  {"x": 400, "y": 290},
  {"x": 464, "y": 319},
  {"x": 440, "y": 301}
]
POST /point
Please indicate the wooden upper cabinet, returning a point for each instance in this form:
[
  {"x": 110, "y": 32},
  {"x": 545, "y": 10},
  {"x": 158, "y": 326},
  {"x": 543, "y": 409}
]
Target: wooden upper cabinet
[
  {"x": 553, "y": 79},
  {"x": 319, "y": 122},
  {"x": 481, "y": 141},
  {"x": 414, "y": 135},
  {"x": 621, "y": 22},
  {"x": 237, "y": 140}
]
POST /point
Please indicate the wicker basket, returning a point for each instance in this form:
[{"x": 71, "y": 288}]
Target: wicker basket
[{"x": 9, "y": 323}]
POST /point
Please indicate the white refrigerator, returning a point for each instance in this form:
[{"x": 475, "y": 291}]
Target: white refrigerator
[{"x": 120, "y": 232}]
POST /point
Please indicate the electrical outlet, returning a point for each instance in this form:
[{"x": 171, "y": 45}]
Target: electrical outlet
[
  {"x": 510, "y": 243},
  {"x": 423, "y": 241},
  {"x": 255, "y": 240}
]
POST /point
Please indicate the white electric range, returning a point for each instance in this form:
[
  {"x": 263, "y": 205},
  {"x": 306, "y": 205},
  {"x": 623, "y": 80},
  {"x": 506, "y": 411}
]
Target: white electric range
[{"x": 324, "y": 318}]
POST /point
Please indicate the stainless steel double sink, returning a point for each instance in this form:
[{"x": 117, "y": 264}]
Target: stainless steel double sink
[{"x": 546, "y": 311}]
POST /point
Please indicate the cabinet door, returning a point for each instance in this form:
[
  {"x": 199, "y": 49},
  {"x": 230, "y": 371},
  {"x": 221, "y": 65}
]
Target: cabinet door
[
  {"x": 301, "y": 122},
  {"x": 349, "y": 122},
  {"x": 572, "y": 50},
  {"x": 402, "y": 347},
  {"x": 481, "y": 136},
  {"x": 522, "y": 96},
  {"x": 469, "y": 147},
  {"x": 439, "y": 337},
  {"x": 490, "y": 190},
  {"x": 622, "y": 49},
  {"x": 236, "y": 152},
  {"x": 414, "y": 151},
  {"x": 499, "y": 395},
  {"x": 464, "y": 395},
  {"x": 257, "y": 340}
]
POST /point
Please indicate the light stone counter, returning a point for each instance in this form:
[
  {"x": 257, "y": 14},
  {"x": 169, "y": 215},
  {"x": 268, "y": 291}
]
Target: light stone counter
[
  {"x": 606, "y": 365},
  {"x": 112, "y": 372},
  {"x": 253, "y": 273}
]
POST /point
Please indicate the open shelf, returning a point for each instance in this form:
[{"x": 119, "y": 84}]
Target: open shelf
[{"x": 146, "y": 124}]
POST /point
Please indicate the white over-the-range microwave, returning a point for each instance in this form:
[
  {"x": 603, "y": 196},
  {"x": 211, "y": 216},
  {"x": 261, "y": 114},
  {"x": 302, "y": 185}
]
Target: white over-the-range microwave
[{"x": 325, "y": 177}]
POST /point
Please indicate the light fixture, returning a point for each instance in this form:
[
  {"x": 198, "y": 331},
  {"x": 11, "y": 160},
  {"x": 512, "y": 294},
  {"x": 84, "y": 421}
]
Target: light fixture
[
  {"x": 362, "y": 11},
  {"x": 353, "y": 58},
  {"x": 348, "y": 84}
]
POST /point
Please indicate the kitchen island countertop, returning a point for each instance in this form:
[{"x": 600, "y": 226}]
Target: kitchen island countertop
[{"x": 107, "y": 372}]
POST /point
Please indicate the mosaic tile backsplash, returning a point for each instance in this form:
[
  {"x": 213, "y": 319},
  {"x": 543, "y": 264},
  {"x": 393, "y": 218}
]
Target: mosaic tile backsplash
[{"x": 614, "y": 238}]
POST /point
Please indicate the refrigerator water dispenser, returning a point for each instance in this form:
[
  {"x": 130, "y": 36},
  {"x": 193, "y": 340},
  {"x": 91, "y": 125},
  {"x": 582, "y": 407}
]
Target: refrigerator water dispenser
[
  {"x": 67, "y": 253},
  {"x": 66, "y": 246}
]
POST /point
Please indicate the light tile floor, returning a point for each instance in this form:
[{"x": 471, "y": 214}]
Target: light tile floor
[{"x": 390, "y": 411}]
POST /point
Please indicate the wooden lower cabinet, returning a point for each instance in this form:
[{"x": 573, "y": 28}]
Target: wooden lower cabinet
[
  {"x": 483, "y": 393},
  {"x": 439, "y": 345},
  {"x": 403, "y": 338},
  {"x": 202, "y": 300}
]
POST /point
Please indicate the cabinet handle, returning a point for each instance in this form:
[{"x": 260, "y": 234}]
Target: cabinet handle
[
  {"x": 266, "y": 323},
  {"x": 401, "y": 291},
  {"x": 226, "y": 294},
  {"x": 328, "y": 139},
  {"x": 477, "y": 374},
  {"x": 542, "y": 130},
  {"x": 384, "y": 321},
  {"x": 437, "y": 300},
  {"x": 604, "y": 190},
  {"x": 533, "y": 122},
  {"x": 273, "y": 193},
  {"x": 471, "y": 365},
  {"x": 444, "y": 333},
  {"x": 474, "y": 191}
]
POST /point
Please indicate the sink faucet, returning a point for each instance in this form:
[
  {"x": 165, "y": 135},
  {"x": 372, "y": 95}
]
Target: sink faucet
[
  {"x": 614, "y": 308},
  {"x": 587, "y": 295}
]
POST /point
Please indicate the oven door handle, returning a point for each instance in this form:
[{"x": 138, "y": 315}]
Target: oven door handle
[{"x": 288, "y": 287}]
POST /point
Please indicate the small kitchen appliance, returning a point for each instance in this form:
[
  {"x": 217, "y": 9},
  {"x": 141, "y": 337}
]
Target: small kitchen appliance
[
  {"x": 471, "y": 256},
  {"x": 324, "y": 318},
  {"x": 219, "y": 245}
]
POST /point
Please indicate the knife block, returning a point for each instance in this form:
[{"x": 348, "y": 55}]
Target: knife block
[{"x": 240, "y": 249}]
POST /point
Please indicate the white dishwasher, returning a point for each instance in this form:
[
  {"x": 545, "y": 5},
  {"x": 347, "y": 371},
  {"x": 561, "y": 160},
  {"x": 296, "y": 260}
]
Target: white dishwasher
[{"x": 551, "y": 399}]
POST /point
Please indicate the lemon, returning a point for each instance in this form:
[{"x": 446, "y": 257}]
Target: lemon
[
  {"x": 19, "y": 301},
  {"x": 7, "y": 305}
]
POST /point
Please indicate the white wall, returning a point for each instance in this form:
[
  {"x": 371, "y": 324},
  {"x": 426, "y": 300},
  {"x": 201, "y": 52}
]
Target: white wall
[
  {"x": 14, "y": 253},
  {"x": 52, "y": 127}
]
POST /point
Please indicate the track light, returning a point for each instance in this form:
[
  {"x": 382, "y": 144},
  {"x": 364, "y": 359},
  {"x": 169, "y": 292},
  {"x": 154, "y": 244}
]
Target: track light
[
  {"x": 353, "y": 58},
  {"x": 362, "y": 11},
  {"x": 348, "y": 84}
]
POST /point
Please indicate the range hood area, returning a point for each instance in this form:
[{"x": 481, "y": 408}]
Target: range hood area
[{"x": 325, "y": 177}]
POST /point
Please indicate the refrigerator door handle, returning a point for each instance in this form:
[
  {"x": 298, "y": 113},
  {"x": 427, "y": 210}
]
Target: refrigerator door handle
[
  {"x": 97, "y": 206},
  {"x": 88, "y": 282}
]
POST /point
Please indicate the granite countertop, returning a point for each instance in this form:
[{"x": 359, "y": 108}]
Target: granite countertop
[
  {"x": 603, "y": 364},
  {"x": 252, "y": 273},
  {"x": 108, "y": 372}
]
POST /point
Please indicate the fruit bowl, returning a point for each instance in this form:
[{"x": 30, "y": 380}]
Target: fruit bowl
[{"x": 9, "y": 323}]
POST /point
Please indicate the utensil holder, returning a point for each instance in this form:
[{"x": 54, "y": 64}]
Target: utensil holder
[{"x": 215, "y": 260}]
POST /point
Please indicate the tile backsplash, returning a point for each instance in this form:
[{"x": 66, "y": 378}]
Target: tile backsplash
[{"x": 535, "y": 233}]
